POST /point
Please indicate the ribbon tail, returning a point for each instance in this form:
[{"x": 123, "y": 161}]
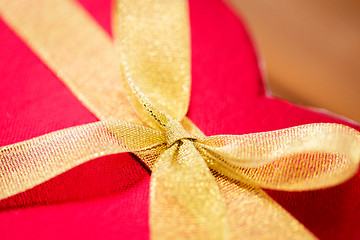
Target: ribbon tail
[
  {"x": 301, "y": 158},
  {"x": 185, "y": 200},
  {"x": 252, "y": 214},
  {"x": 26, "y": 164}
]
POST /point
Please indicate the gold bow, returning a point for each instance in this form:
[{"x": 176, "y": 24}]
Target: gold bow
[{"x": 201, "y": 187}]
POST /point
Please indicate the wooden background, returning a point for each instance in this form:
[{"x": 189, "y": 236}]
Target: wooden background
[{"x": 311, "y": 50}]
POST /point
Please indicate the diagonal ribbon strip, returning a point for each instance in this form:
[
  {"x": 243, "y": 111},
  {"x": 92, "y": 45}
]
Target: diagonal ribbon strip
[
  {"x": 22, "y": 165},
  {"x": 200, "y": 185}
]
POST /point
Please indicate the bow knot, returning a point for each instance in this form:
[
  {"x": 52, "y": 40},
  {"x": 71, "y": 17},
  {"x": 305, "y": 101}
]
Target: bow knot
[{"x": 176, "y": 132}]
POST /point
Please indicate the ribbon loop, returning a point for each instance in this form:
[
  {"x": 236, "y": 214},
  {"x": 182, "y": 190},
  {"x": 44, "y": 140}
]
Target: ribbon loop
[
  {"x": 153, "y": 41},
  {"x": 306, "y": 157}
]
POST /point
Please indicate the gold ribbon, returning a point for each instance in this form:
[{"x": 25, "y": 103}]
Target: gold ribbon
[{"x": 201, "y": 187}]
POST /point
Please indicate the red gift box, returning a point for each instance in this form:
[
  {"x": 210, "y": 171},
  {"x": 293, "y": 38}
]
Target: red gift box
[{"x": 108, "y": 197}]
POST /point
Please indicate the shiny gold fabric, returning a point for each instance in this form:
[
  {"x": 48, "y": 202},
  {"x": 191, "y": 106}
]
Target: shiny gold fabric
[
  {"x": 201, "y": 187},
  {"x": 76, "y": 49},
  {"x": 149, "y": 36},
  {"x": 26, "y": 164}
]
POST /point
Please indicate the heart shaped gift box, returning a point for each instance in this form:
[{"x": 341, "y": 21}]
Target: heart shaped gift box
[{"x": 108, "y": 197}]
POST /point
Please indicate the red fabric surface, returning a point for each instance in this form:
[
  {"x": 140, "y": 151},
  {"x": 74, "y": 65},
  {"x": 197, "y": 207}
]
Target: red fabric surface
[{"x": 107, "y": 198}]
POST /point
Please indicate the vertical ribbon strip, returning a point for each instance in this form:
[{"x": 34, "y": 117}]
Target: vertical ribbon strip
[{"x": 201, "y": 187}]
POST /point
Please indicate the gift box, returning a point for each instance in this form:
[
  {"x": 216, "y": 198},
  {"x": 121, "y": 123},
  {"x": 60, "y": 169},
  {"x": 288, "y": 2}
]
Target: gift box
[{"x": 108, "y": 197}]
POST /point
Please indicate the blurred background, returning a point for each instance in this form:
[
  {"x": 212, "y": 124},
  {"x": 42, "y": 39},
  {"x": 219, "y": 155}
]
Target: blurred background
[{"x": 311, "y": 50}]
